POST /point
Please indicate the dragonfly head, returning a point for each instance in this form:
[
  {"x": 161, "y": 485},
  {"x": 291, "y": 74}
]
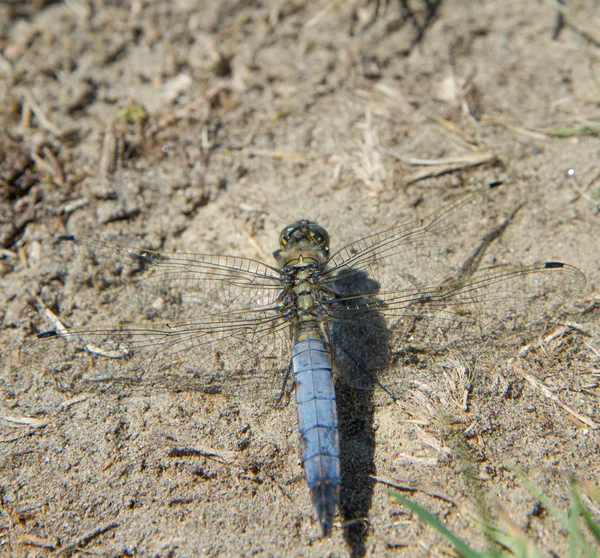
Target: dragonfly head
[{"x": 304, "y": 236}]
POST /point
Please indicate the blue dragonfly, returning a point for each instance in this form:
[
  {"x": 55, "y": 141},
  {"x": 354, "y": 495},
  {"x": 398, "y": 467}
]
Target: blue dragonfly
[{"x": 213, "y": 321}]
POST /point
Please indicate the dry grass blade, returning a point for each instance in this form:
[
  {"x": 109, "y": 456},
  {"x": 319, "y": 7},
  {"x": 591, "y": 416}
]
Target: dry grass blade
[
  {"x": 294, "y": 156},
  {"x": 437, "y": 167},
  {"x": 518, "y": 129},
  {"x": 535, "y": 383},
  {"x": 25, "y": 421}
]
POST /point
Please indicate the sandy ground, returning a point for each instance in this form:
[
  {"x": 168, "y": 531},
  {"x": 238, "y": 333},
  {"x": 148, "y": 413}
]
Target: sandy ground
[{"x": 181, "y": 126}]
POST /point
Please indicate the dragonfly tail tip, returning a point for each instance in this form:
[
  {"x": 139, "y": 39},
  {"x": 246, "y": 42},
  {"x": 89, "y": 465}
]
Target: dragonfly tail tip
[{"x": 325, "y": 498}]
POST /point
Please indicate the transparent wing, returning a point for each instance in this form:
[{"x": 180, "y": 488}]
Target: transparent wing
[
  {"x": 413, "y": 254},
  {"x": 169, "y": 286},
  {"x": 222, "y": 353},
  {"x": 464, "y": 312}
]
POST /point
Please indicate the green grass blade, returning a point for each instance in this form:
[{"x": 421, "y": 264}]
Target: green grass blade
[
  {"x": 461, "y": 547},
  {"x": 544, "y": 500},
  {"x": 593, "y": 525}
]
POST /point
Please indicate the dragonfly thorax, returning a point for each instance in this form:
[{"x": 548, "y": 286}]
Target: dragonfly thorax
[{"x": 304, "y": 296}]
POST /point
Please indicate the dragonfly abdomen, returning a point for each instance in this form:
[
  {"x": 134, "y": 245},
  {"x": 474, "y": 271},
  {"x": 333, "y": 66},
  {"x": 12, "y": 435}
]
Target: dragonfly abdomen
[{"x": 317, "y": 422}]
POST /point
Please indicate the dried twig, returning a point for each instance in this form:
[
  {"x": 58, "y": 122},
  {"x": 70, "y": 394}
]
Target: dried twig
[
  {"x": 590, "y": 33},
  {"x": 413, "y": 488},
  {"x": 74, "y": 546},
  {"x": 43, "y": 119},
  {"x": 49, "y": 163},
  {"x": 109, "y": 156}
]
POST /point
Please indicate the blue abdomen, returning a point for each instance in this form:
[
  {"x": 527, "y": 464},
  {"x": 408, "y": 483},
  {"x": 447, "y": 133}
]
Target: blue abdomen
[{"x": 317, "y": 422}]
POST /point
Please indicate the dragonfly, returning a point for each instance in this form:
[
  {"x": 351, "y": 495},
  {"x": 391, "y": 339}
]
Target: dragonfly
[{"x": 216, "y": 321}]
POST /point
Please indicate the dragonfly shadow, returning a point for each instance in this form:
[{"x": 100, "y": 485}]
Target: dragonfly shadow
[{"x": 361, "y": 341}]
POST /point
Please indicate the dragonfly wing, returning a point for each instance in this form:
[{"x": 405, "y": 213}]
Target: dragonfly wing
[
  {"x": 413, "y": 254},
  {"x": 221, "y": 353},
  {"x": 167, "y": 285},
  {"x": 460, "y": 313}
]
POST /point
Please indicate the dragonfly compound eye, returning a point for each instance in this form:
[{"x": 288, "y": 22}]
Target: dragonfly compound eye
[{"x": 304, "y": 234}]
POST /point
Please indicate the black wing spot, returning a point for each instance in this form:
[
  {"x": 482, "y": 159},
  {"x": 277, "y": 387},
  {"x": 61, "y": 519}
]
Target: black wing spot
[
  {"x": 47, "y": 334},
  {"x": 151, "y": 257},
  {"x": 553, "y": 265}
]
